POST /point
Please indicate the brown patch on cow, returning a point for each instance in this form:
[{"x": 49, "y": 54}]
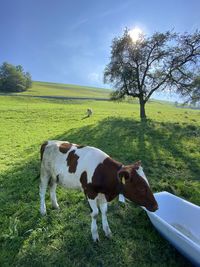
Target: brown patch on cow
[
  {"x": 105, "y": 179},
  {"x": 87, "y": 187},
  {"x": 65, "y": 147},
  {"x": 72, "y": 161},
  {"x": 42, "y": 149},
  {"x": 83, "y": 180}
]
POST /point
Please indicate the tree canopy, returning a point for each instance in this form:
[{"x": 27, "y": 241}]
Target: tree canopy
[
  {"x": 163, "y": 61},
  {"x": 13, "y": 78},
  {"x": 192, "y": 93}
]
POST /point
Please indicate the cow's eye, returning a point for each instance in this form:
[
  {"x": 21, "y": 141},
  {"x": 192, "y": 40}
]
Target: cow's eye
[{"x": 142, "y": 190}]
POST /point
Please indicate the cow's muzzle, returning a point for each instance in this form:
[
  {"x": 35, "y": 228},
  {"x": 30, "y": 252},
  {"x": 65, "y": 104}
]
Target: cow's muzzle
[{"x": 153, "y": 208}]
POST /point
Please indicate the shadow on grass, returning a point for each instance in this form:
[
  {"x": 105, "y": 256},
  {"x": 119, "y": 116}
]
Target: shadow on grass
[
  {"x": 158, "y": 145},
  {"x": 63, "y": 238}
]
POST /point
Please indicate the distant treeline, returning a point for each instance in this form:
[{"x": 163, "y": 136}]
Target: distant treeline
[
  {"x": 195, "y": 105},
  {"x": 14, "y": 78}
]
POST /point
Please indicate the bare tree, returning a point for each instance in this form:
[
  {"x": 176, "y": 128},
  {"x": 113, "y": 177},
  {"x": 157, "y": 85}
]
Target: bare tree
[{"x": 163, "y": 61}]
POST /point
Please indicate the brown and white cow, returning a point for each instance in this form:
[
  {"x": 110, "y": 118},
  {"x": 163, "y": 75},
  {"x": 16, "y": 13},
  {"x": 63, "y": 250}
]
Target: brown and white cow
[{"x": 99, "y": 176}]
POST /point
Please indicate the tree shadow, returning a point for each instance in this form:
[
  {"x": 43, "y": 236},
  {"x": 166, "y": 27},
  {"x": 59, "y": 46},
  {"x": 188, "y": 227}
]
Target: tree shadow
[
  {"x": 159, "y": 145},
  {"x": 63, "y": 238}
]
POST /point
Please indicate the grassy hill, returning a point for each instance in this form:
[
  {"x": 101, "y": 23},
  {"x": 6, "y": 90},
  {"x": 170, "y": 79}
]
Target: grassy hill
[
  {"x": 168, "y": 145},
  {"x": 65, "y": 90}
]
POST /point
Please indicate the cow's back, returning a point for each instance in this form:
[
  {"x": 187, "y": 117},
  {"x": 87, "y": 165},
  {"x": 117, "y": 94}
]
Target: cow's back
[{"x": 66, "y": 162}]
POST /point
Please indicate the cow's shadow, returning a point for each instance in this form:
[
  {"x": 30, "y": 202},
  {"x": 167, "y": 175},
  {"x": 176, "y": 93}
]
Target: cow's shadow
[{"x": 160, "y": 146}]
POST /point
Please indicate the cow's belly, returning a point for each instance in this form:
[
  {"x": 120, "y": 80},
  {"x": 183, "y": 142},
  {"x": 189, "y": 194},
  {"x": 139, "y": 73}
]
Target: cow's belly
[
  {"x": 64, "y": 177},
  {"x": 69, "y": 181}
]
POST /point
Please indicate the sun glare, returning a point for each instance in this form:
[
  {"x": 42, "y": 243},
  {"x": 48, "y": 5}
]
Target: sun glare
[{"x": 135, "y": 34}]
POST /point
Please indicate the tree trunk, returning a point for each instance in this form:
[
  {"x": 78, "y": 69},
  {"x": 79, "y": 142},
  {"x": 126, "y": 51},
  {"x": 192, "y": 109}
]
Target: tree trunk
[{"x": 142, "y": 109}]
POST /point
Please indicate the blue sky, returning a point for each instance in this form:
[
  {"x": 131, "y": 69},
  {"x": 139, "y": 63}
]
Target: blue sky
[{"x": 69, "y": 41}]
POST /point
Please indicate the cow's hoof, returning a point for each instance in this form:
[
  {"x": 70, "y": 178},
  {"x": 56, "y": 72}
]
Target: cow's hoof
[
  {"x": 43, "y": 213},
  {"x": 56, "y": 207},
  {"x": 109, "y": 235},
  {"x": 108, "y": 232},
  {"x": 96, "y": 240}
]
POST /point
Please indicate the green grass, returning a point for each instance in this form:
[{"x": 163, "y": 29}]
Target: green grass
[
  {"x": 65, "y": 90},
  {"x": 168, "y": 145}
]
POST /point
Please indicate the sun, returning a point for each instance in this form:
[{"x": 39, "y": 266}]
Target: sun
[{"x": 136, "y": 34}]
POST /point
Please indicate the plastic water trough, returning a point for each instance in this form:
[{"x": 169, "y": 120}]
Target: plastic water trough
[{"x": 178, "y": 221}]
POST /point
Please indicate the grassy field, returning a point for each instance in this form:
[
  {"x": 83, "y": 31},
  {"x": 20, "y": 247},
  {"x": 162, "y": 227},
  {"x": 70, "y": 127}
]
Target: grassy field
[
  {"x": 168, "y": 145},
  {"x": 65, "y": 90}
]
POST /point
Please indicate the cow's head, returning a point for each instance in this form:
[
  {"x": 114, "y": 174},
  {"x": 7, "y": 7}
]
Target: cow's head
[{"x": 136, "y": 187}]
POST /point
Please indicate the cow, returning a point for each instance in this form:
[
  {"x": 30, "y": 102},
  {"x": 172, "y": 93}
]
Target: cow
[{"x": 99, "y": 176}]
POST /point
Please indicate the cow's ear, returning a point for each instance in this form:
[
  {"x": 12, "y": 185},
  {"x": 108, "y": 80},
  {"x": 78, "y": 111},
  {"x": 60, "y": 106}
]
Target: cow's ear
[{"x": 123, "y": 176}]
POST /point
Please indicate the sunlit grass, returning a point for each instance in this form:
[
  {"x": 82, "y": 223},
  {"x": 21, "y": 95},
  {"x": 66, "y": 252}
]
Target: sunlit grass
[{"x": 65, "y": 90}]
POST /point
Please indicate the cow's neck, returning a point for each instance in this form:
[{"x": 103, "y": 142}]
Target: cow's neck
[{"x": 117, "y": 186}]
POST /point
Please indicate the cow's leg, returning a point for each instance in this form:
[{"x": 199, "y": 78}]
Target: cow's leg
[
  {"x": 44, "y": 179},
  {"x": 103, "y": 207},
  {"x": 43, "y": 188},
  {"x": 94, "y": 214},
  {"x": 53, "y": 195}
]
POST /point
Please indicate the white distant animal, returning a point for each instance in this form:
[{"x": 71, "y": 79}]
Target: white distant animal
[
  {"x": 89, "y": 112},
  {"x": 100, "y": 177}
]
